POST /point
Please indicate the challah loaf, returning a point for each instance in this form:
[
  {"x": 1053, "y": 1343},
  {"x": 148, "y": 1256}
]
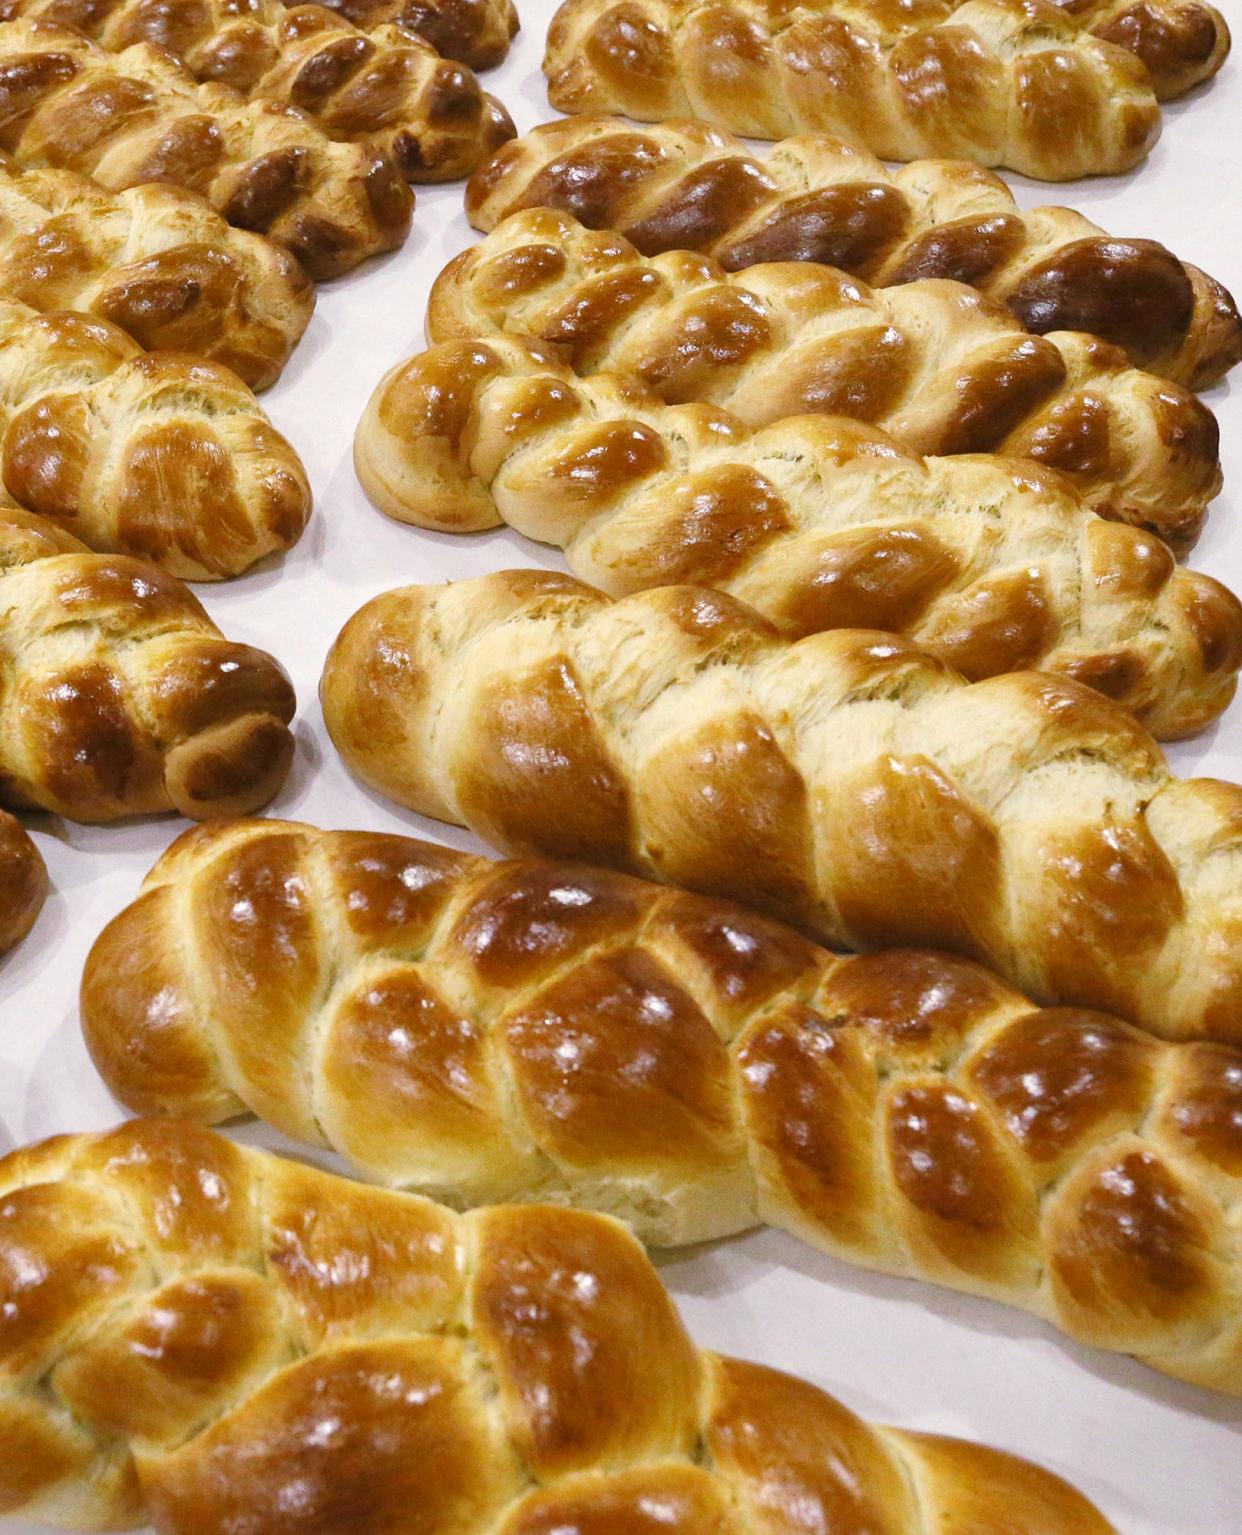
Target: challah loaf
[
  {"x": 23, "y": 882},
  {"x": 818, "y": 521},
  {"x": 683, "y": 185},
  {"x": 1000, "y": 82},
  {"x": 1181, "y": 42},
  {"x": 120, "y": 696},
  {"x": 850, "y": 782},
  {"x": 155, "y": 260},
  {"x": 137, "y": 116},
  {"x": 156, "y": 454},
  {"x": 474, "y": 32},
  {"x": 488, "y": 1032},
  {"x": 934, "y": 363},
  {"x": 215, "y": 1339}
]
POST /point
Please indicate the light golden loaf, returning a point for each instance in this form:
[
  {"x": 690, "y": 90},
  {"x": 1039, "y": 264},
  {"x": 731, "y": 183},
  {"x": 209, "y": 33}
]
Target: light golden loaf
[
  {"x": 138, "y": 116},
  {"x": 1014, "y": 83},
  {"x": 157, "y": 261},
  {"x": 156, "y": 454},
  {"x": 206, "y": 1338},
  {"x": 682, "y": 185},
  {"x": 819, "y": 522},
  {"x": 120, "y": 696},
  {"x": 23, "y": 882},
  {"x": 934, "y": 363},
  {"x": 484, "y": 1033},
  {"x": 849, "y": 783}
]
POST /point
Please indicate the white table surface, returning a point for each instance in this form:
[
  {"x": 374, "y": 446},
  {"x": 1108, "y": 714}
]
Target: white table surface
[{"x": 1159, "y": 1458}]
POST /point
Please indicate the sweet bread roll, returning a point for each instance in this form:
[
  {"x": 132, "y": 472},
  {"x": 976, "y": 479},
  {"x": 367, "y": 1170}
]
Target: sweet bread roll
[
  {"x": 850, "y": 783},
  {"x": 493, "y": 1032},
  {"x": 120, "y": 696},
  {"x": 23, "y": 882},
  {"x": 678, "y": 185},
  {"x": 474, "y": 32},
  {"x": 1181, "y": 42},
  {"x": 156, "y": 454},
  {"x": 934, "y": 363},
  {"x": 817, "y": 521},
  {"x": 212, "y": 1338},
  {"x": 999, "y": 82},
  {"x": 138, "y": 116}
]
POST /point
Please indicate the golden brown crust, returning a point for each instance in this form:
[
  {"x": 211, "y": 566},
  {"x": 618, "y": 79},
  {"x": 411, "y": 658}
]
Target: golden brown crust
[
  {"x": 23, "y": 882},
  {"x": 121, "y": 696},
  {"x": 210, "y": 1337},
  {"x": 681, "y": 185},
  {"x": 139, "y": 116},
  {"x": 818, "y": 521},
  {"x": 1181, "y": 42},
  {"x": 999, "y": 82}
]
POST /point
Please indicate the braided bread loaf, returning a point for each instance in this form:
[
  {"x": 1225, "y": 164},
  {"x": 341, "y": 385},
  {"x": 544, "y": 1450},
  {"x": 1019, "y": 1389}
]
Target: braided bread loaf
[
  {"x": 681, "y": 185},
  {"x": 1000, "y": 82},
  {"x": 474, "y": 32},
  {"x": 819, "y": 522},
  {"x": 23, "y": 882},
  {"x": 120, "y": 696},
  {"x": 850, "y": 782},
  {"x": 150, "y": 453},
  {"x": 934, "y": 363},
  {"x": 155, "y": 260},
  {"x": 490, "y": 1032},
  {"x": 137, "y": 116},
  {"x": 219, "y": 1340}
]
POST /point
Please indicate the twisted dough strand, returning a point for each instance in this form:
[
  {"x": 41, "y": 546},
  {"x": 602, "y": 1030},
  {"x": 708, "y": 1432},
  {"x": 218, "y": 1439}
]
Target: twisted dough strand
[
  {"x": 120, "y": 696},
  {"x": 475, "y": 32},
  {"x": 485, "y": 1033},
  {"x": 23, "y": 882},
  {"x": 1000, "y": 82},
  {"x": 209, "y": 1337},
  {"x": 849, "y": 783},
  {"x": 682, "y": 185},
  {"x": 137, "y": 116},
  {"x": 941, "y": 368},
  {"x": 817, "y": 521}
]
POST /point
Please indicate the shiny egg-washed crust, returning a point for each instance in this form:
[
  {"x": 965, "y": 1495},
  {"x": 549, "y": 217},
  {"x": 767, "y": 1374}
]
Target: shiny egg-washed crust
[
  {"x": 819, "y": 522},
  {"x": 156, "y": 260},
  {"x": 850, "y": 783},
  {"x": 474, "y": 32},
  {"x": 120, "y": 696},
  {"x": 23, "y": 882},
  {"x": 485, "y": 1033},
  {"x": 215, "y": 1339},
  {"x": 1001, "y": 82},
  {"x": 389, "y": 90},
  {"x": 936, "y": 364},
  {"x": 1181, "y": 42},
  {"x": 156, "y": 454},
  {"x": 136, "y": 116},
  {"x": 682, "y": 185}
]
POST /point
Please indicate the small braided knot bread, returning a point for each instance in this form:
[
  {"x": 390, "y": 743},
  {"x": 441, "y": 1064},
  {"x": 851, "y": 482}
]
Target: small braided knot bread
[
  {"x": 23, "y": 882},
  {"x": 934, "y": 363},
  {"x": 818, "y": 521},
  {"x": 120, "y": 696},
  {"x": 126, "y": 118},
  {"x": 157, "y": 261},
  {"x": 390, "y": 90},
  {"x": 150, "y": 453},
  {"x": 494, "y": 1032},
  {"x": 681, "y": 185},
  {"x": 999, "y": 82},
  {"x": 850, "y": 782},
  {"x": 215, "y": 1339}
]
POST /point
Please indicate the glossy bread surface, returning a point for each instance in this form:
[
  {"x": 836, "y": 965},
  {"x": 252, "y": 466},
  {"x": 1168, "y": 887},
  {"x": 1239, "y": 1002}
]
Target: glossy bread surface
[{"x": 23, "y": 882}]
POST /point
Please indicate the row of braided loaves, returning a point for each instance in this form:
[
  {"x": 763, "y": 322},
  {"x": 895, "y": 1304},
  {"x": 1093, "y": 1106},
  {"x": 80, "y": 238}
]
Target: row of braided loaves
[
  {"x": 850, "y": 783},
  {"x": 475, "y": 32},
  {"x": 215, "y": 1339},
  {"x": 156, "y": 454},
  {"x": 817, "y": 521},
  {"x": 139, "y": 116},
  {"x": 486, "y": 1032},
  {"x": 23, "y": 882},
  {"x": 120, "y": 696},
  {"x": 934, "y": 363},
  {"x": 1000, "y": 82},
  {"x": 389, "y": 89},
  {"x": 682, "y": 185}
]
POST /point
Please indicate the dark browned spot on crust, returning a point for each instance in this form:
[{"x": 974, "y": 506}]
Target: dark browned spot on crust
[
  {"x": 967, "y": 250},
  {"x": 708, "y": 201},
  {"x": 1206, "y": 1104},
  {"x": 852, "y": 227}
]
